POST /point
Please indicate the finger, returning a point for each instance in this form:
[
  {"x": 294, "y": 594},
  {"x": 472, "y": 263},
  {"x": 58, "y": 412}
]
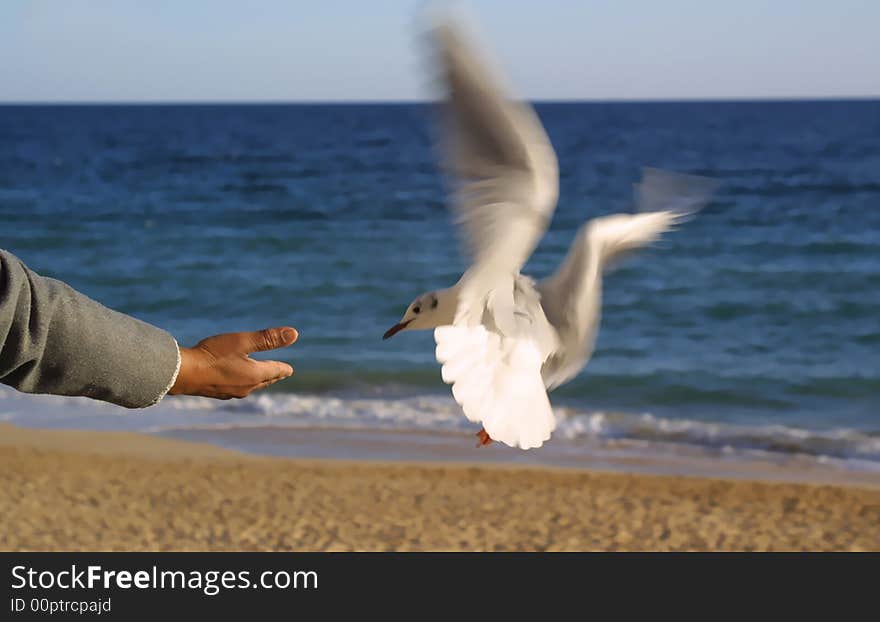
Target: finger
[
  {"x": 271, "y": 370},
  {"x": 263, "y": 385},
  {"x": 270, "y": 338},
  {"x": 245, "y": 392}
]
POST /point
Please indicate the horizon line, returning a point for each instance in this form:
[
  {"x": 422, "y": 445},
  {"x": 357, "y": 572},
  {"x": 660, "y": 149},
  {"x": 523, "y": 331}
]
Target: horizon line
[{"x": 403, "y": 102}]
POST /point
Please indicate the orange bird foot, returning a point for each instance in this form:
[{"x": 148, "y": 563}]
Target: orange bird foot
[{"x": 485, "y": 439}]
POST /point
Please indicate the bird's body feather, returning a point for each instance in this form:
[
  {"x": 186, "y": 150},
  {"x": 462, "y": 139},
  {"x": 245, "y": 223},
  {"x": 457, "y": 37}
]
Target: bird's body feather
[{"x": 492, "y": 356}]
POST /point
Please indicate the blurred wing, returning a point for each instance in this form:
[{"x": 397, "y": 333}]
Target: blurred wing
[
  {"x": 571, "y": 298},
  {"x": 502, "y": 162},
  {"x": 668, "y": 191},
  {"x": 497, "y": 381}
]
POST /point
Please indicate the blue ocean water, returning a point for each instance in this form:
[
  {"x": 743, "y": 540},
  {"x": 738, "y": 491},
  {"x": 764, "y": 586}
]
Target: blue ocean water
[{"x": 757, "y": 324}]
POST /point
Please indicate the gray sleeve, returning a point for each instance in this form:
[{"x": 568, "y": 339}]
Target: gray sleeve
[{"x": 56, "y": 340}]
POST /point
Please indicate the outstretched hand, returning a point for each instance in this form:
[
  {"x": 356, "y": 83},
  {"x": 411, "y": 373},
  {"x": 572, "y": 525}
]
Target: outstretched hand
[{"x": 220, "y": 367}]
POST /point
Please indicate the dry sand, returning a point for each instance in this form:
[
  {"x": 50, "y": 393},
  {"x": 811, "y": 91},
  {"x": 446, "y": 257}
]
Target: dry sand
[{"x": 63, "y": 490}]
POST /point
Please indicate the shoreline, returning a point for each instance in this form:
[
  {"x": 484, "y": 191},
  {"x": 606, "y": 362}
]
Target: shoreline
[
  {"x": 81, "y": 490},
  {"x": 424, "y": 428},
  {"x": 451, "y": 448}
]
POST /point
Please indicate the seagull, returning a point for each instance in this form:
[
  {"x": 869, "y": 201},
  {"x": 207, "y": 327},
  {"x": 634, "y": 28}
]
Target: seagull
[{"x": 503, "y": 339}]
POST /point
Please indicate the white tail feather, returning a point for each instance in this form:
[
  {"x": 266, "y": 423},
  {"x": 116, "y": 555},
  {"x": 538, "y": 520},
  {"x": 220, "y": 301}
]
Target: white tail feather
[{"x": 497, "y": 381}]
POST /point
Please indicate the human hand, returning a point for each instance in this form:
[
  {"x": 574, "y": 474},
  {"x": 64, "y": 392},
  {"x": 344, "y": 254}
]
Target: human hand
[{"x": 220, "y": 367}]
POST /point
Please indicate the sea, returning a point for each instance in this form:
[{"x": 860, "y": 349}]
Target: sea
[{"x": 752, "y": 330}]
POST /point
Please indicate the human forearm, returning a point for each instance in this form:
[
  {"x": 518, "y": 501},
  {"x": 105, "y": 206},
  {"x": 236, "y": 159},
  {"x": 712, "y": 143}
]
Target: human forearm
[{"x": 56, "y": 340}]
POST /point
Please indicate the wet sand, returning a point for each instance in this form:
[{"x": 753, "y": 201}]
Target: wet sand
[{"x": 66, "y": 490}]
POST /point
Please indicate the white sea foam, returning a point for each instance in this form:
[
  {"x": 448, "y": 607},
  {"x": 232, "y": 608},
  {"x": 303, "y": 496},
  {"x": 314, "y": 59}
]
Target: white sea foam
[{"x": 432, "y": 412}]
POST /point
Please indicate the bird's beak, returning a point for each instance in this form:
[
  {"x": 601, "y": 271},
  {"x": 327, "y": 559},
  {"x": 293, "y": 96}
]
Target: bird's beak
[{"x": 395, "y": 329}]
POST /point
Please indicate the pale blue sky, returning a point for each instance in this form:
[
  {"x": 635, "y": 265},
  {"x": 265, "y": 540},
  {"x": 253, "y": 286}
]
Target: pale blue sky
[{"x": 196, "y": 50}]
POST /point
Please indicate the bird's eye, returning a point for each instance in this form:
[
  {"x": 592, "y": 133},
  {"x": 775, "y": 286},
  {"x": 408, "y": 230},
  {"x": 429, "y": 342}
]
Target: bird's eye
[
  {"x": 417, "y": 309},
  {"x": 434, "y": 303}
]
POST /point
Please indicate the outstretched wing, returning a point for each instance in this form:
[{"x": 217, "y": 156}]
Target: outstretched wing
[
  {"x": 502, "y": 165},
  {"x": 572, "y": 297},
  {"x": 497, "y": 381}
]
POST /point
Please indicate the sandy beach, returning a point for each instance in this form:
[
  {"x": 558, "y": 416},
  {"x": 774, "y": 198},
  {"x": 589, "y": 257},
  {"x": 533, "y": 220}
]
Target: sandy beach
[{"x": 75, "y": 490}]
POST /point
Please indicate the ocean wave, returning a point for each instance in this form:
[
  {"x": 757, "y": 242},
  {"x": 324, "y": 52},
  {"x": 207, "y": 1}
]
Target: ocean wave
[
  {"x": 690, "y": 390},
  {"x": 438, "y": 413},
  {"x": 841, "y": 443},
  {"x": 441, "y": 413}
]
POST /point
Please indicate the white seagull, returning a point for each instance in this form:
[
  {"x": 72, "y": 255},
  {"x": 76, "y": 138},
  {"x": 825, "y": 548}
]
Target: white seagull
[{"x": 503, "y": 339}]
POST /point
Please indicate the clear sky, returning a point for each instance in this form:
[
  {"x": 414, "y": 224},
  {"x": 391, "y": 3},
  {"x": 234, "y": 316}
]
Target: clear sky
[{"x": 292, "y": 50}]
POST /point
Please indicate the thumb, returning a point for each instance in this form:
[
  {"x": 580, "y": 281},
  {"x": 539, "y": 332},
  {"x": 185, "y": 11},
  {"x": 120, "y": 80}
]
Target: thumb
[{"x": 270, "y": 338}]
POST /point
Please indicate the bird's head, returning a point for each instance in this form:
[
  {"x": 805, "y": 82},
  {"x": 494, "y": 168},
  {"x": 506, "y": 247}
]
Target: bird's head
[{"x": 422, "y": 313}]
